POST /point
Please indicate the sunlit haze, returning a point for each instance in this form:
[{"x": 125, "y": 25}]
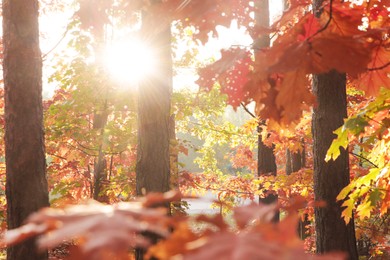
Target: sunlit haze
[{"x": 129, "y": 61}]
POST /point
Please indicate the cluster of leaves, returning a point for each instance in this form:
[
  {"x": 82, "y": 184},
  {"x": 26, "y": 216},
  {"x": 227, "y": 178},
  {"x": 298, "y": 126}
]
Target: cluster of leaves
[
  {"x": 367, "y": 132},
  {"x": 88, "y": 116},
  {"x": 346, "y": 37},
  {"x": 100, "y": 231}
]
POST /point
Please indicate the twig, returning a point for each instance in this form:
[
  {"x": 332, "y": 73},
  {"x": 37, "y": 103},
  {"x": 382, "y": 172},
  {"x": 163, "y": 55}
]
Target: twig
[
  {"x": 327, "y": 23},
  {"x": 247, "y": 110},
  {"x": 56, "y": 45},
  {"x": 365, "y": 159}
]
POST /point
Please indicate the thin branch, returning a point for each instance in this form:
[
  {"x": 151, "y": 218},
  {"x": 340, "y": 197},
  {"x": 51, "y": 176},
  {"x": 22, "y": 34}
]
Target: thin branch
[
  {"x": 56, "y": 45},
  {"x": 247, "y": 110},
  {"x": 364, "y": 158},
  {"x": 327, "y": 23},
  {"x": 221, "y": 190},
  {"x": 58, "y": 156}
]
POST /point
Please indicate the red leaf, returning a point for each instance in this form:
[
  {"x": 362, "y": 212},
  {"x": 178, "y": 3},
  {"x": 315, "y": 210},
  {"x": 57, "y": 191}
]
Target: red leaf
[{"x": 378, "y": 72}]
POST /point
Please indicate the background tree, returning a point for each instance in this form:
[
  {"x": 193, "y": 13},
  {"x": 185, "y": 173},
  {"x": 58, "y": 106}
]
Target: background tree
[
  {"x": 266, "y": 163},
  {"x": 26, "y": 184}
]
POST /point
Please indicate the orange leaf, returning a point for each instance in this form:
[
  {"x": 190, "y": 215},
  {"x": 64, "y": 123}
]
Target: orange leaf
[
  {"x": 378, "y": 72},
  {"x": 293, "y": 94}
]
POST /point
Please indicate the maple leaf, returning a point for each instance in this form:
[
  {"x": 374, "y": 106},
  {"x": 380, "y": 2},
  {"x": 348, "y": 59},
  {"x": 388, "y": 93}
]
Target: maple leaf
[
  {"x": 345, "y": 20},
  {"x": 176, "y": 244},
  {"x": 311, "y": 27},
  {"x": 98, "y": 227},
  {"x": 204, "y": 15},
  {"x": 293, "y": 92},
  {"x": 246, "y": 214},
  {"x": 266, "y": 107},
  {"x": 234, "y": 83},
  {"x": 378, "y": 72},
  {"x": 231, "y": 71}
]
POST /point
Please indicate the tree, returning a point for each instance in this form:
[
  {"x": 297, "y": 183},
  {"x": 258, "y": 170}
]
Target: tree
[
  {"x": 266, "y": 158},
  {"x": 154, "y": 110},
  {"x": 332, "y": 233},
  {"x": 154, "y": 113},
  {"x": 26, "y": 185}
]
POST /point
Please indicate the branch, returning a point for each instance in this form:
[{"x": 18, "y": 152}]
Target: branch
[
  {"x": 327, "y": 23},
  {"x": 247, "y": 110},
  {"x": 221, "y": 190},
  {"x": 364, "y": 158},
  {"x": 56, "y": 45}
]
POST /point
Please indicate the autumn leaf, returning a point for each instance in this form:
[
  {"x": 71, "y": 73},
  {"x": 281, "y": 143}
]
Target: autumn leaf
[
  {"x": 253, "y": 212},
  {"x": 235, "y": 81},
  {"x": 293, "y": 93},
  {"x": 341, "y": 141},
  {"x": 175, "y": 245},
  {"x": 347, "y": 212},
  {"x": 378, "y": 70},
  {"x": 97, "y": 227},
  {"x": 345, "y": 20},
  {"x": 345, "y": 54}
]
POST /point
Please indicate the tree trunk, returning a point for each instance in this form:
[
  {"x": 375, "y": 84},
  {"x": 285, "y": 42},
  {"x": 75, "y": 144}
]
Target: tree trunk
[
  {"x": 26, "y": 184},
  {"x": 266, "y": 158},
  {"x": 154, "y": 106},
  {"x": 154, "y": 103},
  {"x": 332, "y": 234}
]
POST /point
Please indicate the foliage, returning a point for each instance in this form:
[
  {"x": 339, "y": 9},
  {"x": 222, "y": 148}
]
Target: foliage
[
  {"x": 367, "y": 131},
  {"x": 350, "y": 38},
  {"x": 109, "y": 231}
]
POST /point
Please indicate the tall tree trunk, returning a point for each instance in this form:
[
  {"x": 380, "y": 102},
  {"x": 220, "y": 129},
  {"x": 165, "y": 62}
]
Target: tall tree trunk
[
  {"x": 332, "y": 234},
  {"x": 266, "y": 158},
  {"x": 154, "y": 106},
  {"x": 154, "y": 103},
  {"x": 26, "y": 184}
]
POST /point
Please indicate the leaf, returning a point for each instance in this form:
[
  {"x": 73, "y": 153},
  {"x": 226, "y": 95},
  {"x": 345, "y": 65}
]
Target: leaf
[
  {"x": 98, "y": 227},
  {"x": 364, "y": 209},
  {"x": 176, "y": 244},
  {"x": 293, "y": 94},
  {"x": 340, "y": 141},
  {"x": 345, "y": 19},
  {"x": 321, "y": 54},
  {"x": 234, "y": 81},
  {"x": 378, "y": 72},
  {"x": 345, "y": 54},
  {"x": 347, "y": 212},
  {"x": 344, "y": 192},
  {"x": 311, "y": 26},
  {"x": 246, "y": 214},
  {"x": 209, "y": 75}
]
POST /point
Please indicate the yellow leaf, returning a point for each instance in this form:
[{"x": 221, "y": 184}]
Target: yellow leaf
[
  {"x": 347, "y": 212},
  {"x": 364, "y": 209}
]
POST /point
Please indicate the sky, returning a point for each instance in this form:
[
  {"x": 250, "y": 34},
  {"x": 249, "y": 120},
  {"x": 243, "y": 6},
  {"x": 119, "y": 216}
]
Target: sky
[{"x": 53, "y": 27}]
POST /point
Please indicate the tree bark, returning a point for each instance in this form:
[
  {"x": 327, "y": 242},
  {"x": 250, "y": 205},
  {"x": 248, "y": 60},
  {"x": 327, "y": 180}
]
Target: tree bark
[
  {"x": 266, "y": 158},
  {"x": 26, "y": 184},
  {"x": 154, "y": 107},
  {"x": 332, "y": 234}
]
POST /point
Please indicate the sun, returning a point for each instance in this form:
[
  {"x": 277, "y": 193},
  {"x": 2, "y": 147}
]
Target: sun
[{"x": 130, "y": 61}]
